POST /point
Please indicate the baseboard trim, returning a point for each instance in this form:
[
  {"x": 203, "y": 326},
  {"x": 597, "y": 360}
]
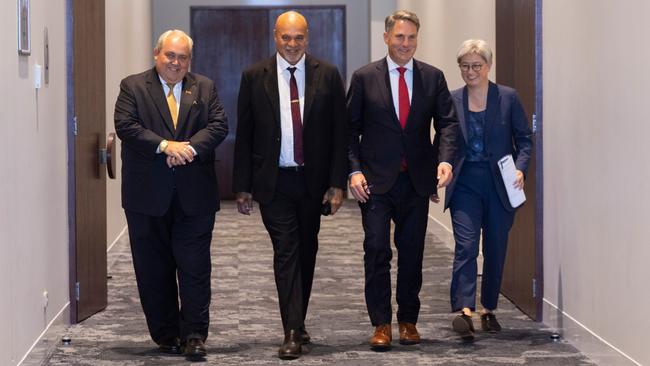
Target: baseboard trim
[
  {"x": 48, "y": 339},
  {"x": 584, "y": 339},
  {"x": 117, "y": 239}
]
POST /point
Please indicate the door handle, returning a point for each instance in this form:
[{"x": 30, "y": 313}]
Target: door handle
[{"x": 107, "y": 155}]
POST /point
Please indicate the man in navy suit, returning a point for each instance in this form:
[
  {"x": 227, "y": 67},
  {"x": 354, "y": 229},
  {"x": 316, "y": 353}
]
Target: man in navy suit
[
  {"x": 170, "y": 121},
  {"x": 395, "y": 169}
]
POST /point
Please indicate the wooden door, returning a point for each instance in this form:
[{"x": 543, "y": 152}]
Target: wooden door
[
  {"x": 227, "y": 40},
  {"x": 518, "y": 64},
  {"x": 86, "y": 111}
]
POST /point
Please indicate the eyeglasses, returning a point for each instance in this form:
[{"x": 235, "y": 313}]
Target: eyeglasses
[{"x": 475, "y": 67}]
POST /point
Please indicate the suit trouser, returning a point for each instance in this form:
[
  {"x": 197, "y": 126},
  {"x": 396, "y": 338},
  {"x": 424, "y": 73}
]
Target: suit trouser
[
  {"x": 164, "y": 249},
  {"x": 292, "y": 219},
  {"x": 476, "y": 206},
  {"x": 408, "y": 211}
]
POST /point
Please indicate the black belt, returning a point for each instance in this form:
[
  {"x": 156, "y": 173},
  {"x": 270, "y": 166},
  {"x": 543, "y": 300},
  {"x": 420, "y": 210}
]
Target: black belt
[{"x": 292, "y": 168}]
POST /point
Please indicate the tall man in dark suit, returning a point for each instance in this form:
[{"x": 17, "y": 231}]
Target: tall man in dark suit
[
  {"x": 395, "y": 168},
  {"x": 290, "y": 157},
  {"x": 170, "y": 121}
]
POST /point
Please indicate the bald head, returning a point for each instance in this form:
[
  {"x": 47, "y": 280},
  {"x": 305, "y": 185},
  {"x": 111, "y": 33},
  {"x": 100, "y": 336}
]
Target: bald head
[{"x": 290, "y": 35}]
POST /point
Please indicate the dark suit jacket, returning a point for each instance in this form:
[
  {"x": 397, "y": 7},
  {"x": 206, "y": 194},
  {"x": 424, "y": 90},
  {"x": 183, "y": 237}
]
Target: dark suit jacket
[
  {"x": 506, "y": 132},
  {"x": 377, "y": 140},
  {"x": 257, "y": 145},
  {"x": 143, "y": 120}
]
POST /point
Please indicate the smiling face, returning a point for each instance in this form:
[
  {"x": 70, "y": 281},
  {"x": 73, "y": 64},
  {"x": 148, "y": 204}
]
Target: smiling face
[
  {"x": 290, "y": 36},
  {"x": 173, "y": 58},
  {"x": 402, "y": 41},
  {"x": 474, "y": 70}
]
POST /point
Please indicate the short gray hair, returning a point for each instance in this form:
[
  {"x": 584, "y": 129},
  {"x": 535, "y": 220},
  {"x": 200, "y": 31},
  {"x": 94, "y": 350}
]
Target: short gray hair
[
  {"x": 410, "y": 16},
  {"x": 475, "y": 46},
  {"x": 172, "y": 32}
]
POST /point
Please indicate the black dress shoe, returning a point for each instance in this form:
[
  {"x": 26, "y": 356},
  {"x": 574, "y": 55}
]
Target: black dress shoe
[
  {"x": 304, "y": 336},
  {"x": 291, "y": 348},
  {"x": 489, "y": 323},
  {"x": 172, "y": 346},
  {"x": 463, "y": 325},
  {"x": 194, "y": 349}
]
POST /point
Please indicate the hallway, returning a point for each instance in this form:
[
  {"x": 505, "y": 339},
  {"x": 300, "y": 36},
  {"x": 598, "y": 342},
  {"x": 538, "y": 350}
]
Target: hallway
[{"x": 245, "y": 325}]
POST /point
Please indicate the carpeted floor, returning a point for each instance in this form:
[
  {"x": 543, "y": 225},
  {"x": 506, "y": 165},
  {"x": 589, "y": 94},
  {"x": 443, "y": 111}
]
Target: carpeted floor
[{"x": 245, "y": 328}]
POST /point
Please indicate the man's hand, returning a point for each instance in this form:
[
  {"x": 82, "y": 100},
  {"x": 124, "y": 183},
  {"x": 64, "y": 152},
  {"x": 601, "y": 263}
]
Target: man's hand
[
  {"x": 359, "y": 187},
  {"x": 178, "y": 153},
  {"x": 444, "y": 175},
  {"x": 244, "y": 202},
  {"x": 434, "y": 198},
  {"x": 519, "y": 181},
  {"x": 335, "y": 198}
]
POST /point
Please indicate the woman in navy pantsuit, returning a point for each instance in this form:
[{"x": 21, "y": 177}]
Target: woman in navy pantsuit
[{"x": 494, "y": 124}]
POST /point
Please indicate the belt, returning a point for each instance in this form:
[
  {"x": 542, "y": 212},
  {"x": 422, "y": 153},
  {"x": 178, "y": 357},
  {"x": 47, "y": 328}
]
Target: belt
[{"x": 292, "y": 168}]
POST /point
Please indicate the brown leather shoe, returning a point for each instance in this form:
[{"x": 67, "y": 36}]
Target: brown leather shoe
[
  {"x": 408, "y": 334},
  {"x": 382, "y": 337}
]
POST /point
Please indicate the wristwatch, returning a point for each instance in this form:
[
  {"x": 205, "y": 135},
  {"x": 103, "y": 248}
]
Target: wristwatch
[{"x": 162, "y": 146}]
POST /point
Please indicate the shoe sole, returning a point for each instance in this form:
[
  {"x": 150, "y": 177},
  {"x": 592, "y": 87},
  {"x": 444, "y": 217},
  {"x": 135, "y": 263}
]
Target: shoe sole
[
  {"x": 460, "y": 326},
  {"x": 380, "y": 348},
  {"x": 288, "y": 357}
]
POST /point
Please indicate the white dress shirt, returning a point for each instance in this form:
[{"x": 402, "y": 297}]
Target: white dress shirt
[
  {"x": 178, "y": 88},
  {"x": 393, "y": 75},
  {"x": 286, "y": 122}
]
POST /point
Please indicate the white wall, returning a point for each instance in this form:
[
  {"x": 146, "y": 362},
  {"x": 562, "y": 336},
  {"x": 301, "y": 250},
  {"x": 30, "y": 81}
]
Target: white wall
[
  {"x": 33, "y": 182},
  {"x": 597, "y": 175},
  {"x": 130, "y": 50},
  {"x": 444, "y": 25}
]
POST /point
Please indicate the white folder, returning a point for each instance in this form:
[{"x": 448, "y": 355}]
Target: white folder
[{"x": 509, "y": 175}]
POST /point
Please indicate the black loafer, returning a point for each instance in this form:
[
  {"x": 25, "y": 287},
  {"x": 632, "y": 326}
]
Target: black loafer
[
  {"x": 172, "y": 346},
  {"x": 489, "y": 323},
  {"x": 291, "y": 348},
  {"x": 194, "y": 349},
  {"x": 463, "y": 325},
  {"x": 304, "y": 336}
]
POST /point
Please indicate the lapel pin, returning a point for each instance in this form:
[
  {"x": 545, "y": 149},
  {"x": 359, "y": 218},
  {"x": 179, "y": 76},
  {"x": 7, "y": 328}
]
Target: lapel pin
[{"x": 188, "y": 92}]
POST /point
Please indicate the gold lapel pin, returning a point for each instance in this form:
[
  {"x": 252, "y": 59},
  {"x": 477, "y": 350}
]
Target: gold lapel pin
[{"x": 188, "y": 92}]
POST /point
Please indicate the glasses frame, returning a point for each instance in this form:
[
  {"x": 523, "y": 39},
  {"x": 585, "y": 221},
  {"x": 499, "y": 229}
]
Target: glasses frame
[{"x": 476, "y": 67}]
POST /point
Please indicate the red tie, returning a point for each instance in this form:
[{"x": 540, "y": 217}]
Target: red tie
[
  {"x": 404, "y": 107},
  {"x": 295, "y": 117},
  {"x": 404, "y": 103}
]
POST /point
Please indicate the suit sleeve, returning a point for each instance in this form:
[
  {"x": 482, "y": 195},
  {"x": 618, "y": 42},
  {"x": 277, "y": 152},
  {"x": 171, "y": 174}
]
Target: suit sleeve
[
  {"x": 242, "y": 162},
  {"x": 128, "y": 126},
  {"x": 339, "y": 167},
  {"x": 446, "y": 125},
  {"x": 355, "y": 122},
  {"x": 521, "y": 134},
  {"x": 208, "y": 138}
]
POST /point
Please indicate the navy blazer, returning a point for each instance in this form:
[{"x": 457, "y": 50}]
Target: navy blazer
[
  {"x": 506, "y": 132},
  {"x": 257, "y": 145},
  {"x": 377, "y": 140},
  {"x": 143, "y": 120}
]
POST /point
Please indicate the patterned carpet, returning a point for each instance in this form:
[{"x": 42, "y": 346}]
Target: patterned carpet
[{"x": 245, "y": 328}]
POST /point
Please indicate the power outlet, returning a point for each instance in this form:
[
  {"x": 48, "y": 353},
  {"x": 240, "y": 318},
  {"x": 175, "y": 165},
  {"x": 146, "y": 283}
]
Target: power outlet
[{"x": 46, "y": 299}]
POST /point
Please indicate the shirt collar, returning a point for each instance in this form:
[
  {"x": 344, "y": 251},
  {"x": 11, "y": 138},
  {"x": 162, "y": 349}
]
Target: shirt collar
[
  {"x": 283, "y": 64},
  {"x": 392, "y": 65},
  {"x": 164, "y": 83}
]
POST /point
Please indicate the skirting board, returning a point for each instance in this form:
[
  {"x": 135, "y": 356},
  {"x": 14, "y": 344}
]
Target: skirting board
[
  {"x": 47, "y": 341},
  {"x": 582, "y": 338}
]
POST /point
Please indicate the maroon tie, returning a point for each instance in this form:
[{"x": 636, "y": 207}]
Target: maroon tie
[
  {"x": 404, "y": 107},
  {"x": 295, "y": 117},
  {"x": 404, "y": 103}
]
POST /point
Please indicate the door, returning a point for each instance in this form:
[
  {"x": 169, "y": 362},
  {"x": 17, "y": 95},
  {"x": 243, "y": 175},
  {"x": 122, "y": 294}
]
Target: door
[
  {"x": 247, "y": 35},
  {"x": 518, "y": 64},
  {"x": 87, "y": 126}
]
